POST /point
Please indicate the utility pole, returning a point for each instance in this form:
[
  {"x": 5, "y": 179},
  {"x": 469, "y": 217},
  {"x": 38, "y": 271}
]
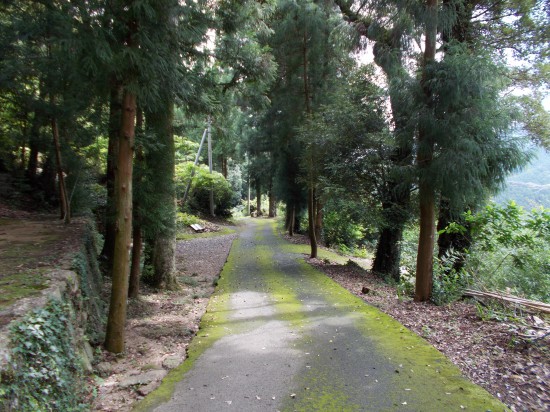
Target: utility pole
[
  {"x": 210, "y": 165},
  {"x": 193, "y": 170}
]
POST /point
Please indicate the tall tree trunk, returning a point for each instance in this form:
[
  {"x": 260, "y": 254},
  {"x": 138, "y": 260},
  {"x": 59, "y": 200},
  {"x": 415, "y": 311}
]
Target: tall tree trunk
[
  {"x": 114, "y": 338},
  {"x": 272, "y": 200},
  {"x": 426, "y": 195},
  {"x": 291, "y": 216},
  {"x": 318, "y": 220},
  {"x": 311, "y": 222},
  {"x": 223, "y": 164},
  {"x": 135, "y": 269},
  {"x": 137, "y": 235},
  {"x": 63, "y": 197},
  {"x": 109, "y": 234},
  {"x": 424, "y": 262},
  {"x": 162, "y": 161},
  {"x": 258, "y": 198}
]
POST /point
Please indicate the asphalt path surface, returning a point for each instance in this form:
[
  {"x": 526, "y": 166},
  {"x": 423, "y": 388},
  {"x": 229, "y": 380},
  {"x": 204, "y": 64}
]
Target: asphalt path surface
[{"x": 280, "y": 336}]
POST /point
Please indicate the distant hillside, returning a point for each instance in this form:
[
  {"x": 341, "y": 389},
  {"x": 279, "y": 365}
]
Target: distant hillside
[{"x": 531, "y": 187}]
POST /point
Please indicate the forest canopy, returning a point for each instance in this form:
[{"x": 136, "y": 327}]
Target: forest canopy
[{"x": 136, "y": 112}]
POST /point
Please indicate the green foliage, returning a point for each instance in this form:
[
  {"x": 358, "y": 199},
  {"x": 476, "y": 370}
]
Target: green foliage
[
  {"x": 203, "y": 181},
  {"x": 448, "y": 284},
  {"x": 511, "y": 250},
  {"x": 340, "y": 230},
  {"x": 186, "y": 219},
  {"x": 46, "y": 372},
  {"x": 469, "y": 127}
]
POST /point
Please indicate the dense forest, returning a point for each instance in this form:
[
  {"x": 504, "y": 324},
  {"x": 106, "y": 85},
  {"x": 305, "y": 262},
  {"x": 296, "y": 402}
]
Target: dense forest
[{"x": 376, "y": 127}]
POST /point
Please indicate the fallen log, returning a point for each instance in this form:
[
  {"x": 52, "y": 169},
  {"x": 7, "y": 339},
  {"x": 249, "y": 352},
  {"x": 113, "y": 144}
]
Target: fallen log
[{"x": 532, "y": 305}]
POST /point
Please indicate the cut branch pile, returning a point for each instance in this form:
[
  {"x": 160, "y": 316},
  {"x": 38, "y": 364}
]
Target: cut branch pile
[{"x": 532, "y": 305}]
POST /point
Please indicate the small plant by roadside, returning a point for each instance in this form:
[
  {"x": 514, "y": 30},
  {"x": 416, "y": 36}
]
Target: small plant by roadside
[{"x": 449, "y": 283}]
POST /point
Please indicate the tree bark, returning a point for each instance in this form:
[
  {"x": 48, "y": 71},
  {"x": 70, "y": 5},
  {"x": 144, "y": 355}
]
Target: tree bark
[
  {"x": 318, "y": 220},
  {"x": 137, "y": 233},
  {"x": 258, "y": 198},
  {"x": 163, "y": 164},
  {"x": 63, "y": 197},
  {"x": 223, "y": 164},
  {"x": 112, "y": 155},
  {"x": 291, "y": 215},
  {"x": 135, "y": 269},
  {"x": 115, "y": 336},
  {"x": 272, "y": 201},
  {"x": 424, "y": 260},
  {"x": 311, "y": 222}
]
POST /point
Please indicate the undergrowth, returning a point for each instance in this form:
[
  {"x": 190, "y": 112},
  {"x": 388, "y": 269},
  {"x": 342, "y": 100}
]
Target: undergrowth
[{"x": 45, "y": 372}]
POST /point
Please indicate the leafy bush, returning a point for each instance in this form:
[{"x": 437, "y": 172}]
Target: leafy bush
[
  {"x": 348, "y": 227},
  {"x": 448, "y": 283},
  {"x": 339, "y": 229},
  {"x": 186, "y": 219},
  {"x": 511, "y": 250},
  {"x": 202, "y": 182}
]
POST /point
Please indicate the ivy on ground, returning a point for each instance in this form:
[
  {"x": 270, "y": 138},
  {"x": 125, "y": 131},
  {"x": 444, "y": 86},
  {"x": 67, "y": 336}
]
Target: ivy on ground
[{"x": 46, "y": 372}]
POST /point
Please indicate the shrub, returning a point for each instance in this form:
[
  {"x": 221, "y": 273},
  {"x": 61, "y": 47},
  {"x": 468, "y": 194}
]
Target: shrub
[
  {"x": 511, "y": 250},
  {"x": 202, "y": 183},
  {"x": 448, "y": 283}
]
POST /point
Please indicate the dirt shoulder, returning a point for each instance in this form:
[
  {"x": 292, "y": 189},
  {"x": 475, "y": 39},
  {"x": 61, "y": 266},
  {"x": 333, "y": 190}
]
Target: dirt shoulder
[{"x": 161, "y": 325}]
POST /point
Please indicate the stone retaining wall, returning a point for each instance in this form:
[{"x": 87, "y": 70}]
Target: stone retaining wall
[{"x": 75, "y": 286}]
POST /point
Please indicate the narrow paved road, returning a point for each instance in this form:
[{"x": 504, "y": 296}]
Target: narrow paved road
[{"x": 280, "y": 336}]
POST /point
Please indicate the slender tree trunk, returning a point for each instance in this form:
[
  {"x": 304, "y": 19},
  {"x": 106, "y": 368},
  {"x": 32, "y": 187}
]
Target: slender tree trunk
[
  {"x": 288, "y": 214},
  {"x": 426, "y": 195},
  {"x": 291, "y": 217},
  {"x": 223, "y": 164},
  {"x": 135, "y": 270},
  {"x": 424, "y": 262},
  {"x": 248, "y": 198},
  {"x": 63, "y": 197},
  {"x": 272, "y": 200},
  {"x": 114, "y": 338},
  {"x": 318, "y": 220},
  {"x": 112, "y": 155},
  {"x": 311, "y": 222},
  {"x": 163, "y": 163},
  {"x": 258, "y": 198},
  {"x": 34, "y": 141},
  {"x": 137, "y": 235}
]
